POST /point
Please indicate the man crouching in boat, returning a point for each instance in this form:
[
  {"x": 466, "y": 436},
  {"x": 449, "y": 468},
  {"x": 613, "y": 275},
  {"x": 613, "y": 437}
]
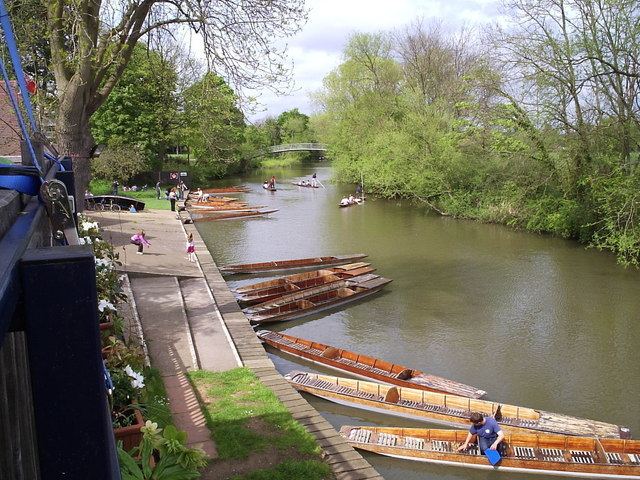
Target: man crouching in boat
[{"x": 486, "y": 429}]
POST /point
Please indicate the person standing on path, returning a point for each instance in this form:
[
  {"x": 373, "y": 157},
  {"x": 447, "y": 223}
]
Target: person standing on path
[
  {"x": 172, "y": 199},
  {"x": 191, "y": 249},
  {"x": 141, "y": 241},
  {"x": 114, "y": 187},
  {"x": 158, "y": 190}
]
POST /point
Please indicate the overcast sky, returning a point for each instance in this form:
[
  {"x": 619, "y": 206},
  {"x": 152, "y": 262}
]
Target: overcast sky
[{"x": 317, "y": 49}]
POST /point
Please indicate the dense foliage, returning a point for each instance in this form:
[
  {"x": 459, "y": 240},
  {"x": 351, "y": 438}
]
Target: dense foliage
[
  {"x": 140, "y": 113},
  {"x": 543, "y": 135}
]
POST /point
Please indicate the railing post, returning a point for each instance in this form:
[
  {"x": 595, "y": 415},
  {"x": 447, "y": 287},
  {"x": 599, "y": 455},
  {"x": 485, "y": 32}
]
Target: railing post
[{"x": 74, "y": 430}]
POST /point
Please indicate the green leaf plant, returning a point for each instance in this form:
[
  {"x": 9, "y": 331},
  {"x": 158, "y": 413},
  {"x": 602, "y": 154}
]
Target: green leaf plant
[{"x": 161, "y": 455}]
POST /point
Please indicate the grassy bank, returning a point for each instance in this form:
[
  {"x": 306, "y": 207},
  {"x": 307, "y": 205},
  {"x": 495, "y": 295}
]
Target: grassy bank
[
  {"x": 149, "y": 197},
  {"x": 256, "y": 436}
]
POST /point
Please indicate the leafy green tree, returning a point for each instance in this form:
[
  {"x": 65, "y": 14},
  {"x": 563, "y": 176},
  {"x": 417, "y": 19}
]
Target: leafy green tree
[
  {"x": 213, "y": 125},
  {"x": 119, "y": 162},
  {"x": 91, "y": 44},
  {"x": 141, "y": 109}
]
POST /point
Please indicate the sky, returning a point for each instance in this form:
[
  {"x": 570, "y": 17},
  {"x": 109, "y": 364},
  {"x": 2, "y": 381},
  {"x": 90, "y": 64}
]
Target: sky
[{"x": 317, "y": 49}]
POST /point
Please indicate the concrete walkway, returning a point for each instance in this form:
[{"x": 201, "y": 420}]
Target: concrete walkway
[{"x": 191, "y": 320}]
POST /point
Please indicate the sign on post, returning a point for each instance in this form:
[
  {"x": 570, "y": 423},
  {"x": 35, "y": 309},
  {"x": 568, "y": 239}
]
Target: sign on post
[
  {"x": 183, "y": 174},
  {"x": 173, "y": 175}
]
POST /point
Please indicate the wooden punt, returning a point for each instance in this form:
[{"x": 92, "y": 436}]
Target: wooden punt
[
  {"x": 297, "y": 264},
  {"x": 446, "y": 409},
  {"x": 227, "y": 207},
  {"x": 264, "y": 291},
  {"x": 267, "y": 187},
  {"x": 233, "y": 189},
  {"x": 305, "y": 185},
  {"x": 369, "y": 368},
  {"x": 213, "y": 216},
  {"x": 356, "y": 201},
  {"x": 560, "y": 455},
  {"x": 317, "y": 299}
]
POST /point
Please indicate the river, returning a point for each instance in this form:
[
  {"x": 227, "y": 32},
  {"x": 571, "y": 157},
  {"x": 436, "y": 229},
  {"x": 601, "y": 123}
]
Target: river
[{"x": 534, "y": 320}]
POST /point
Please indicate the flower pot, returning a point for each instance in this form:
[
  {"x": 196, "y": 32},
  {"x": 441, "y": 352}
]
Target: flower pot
[
  {"x": 130, "y": 435},
  {"x": 106, "y": 326}
]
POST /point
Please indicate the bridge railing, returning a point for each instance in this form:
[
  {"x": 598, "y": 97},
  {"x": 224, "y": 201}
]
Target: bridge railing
[{"x": 297, "y": 147}]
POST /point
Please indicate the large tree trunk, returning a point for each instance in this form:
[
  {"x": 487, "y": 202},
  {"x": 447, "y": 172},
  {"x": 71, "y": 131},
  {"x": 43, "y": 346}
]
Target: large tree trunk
[{"x": 74, "y": 134}]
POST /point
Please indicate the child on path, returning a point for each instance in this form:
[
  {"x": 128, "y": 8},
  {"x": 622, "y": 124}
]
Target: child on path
[
  {"x": 191, "y": 249},
  {"x": 140, "y": 240}
]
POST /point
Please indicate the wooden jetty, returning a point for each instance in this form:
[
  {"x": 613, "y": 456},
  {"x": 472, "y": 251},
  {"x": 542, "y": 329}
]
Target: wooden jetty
[
  {"x": 446, "y": 409},
  {"x": 559, "y": 455},
  {"x": 369, "y": 368},
  {"x": 317, "y": 299},
  {"x": 271, "y": 289},
  {"x": 296, "y": 264}
]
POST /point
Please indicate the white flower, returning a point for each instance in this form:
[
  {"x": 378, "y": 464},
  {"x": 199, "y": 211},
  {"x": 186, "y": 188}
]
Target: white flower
[
  {"x": 88, "y": 240},
  {"x": 89, "y": 225},
  {"x": 103, "y": 262},
  {"x": 102, "y": 304},
  {"x": 137, "y": 380}
]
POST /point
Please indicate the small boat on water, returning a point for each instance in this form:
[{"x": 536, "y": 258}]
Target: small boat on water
[
  {"x": 214, "y": 216},
  {"x": 264, "y": 291},
  {"x": 345, "y": 202},
  {"x": 523, "y": 453},
  {"x": 232, "y": 189},
  {"x": 100, "y": 202},
  {"x": 366, "y": 367},
  {"x": 296, "y": 264},
  {"x": 446, "y": 409},
  {"x": 305, "y": 184},
  {"x": 317, "y": 299},
  {"x": 266, "y": 186}
]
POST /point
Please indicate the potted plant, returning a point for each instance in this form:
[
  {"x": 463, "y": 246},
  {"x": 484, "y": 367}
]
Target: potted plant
[{"x": 161, "y": 455}]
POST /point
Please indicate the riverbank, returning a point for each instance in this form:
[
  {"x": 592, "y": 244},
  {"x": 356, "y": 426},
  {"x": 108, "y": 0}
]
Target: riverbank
[{"x": 192, "y": 323}]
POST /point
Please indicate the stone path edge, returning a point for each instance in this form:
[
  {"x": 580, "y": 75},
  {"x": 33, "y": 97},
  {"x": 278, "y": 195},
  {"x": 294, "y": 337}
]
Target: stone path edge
[{"x": 253, "y": 355}]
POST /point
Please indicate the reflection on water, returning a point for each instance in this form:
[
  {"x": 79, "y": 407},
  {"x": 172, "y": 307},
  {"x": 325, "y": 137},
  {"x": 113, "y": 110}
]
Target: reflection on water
[{"x": 533, "y": 320}]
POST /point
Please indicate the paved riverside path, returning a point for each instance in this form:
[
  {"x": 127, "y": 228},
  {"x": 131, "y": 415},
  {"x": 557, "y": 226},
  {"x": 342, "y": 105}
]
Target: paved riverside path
[{"x": 191, "y": 320}]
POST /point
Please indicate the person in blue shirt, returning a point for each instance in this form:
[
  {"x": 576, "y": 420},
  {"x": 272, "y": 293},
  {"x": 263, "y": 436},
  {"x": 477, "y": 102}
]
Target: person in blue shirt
[{"x": 486, "y": 430}]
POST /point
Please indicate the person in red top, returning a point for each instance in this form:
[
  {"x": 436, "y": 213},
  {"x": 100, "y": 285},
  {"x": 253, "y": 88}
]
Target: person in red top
[{"x": 140, "y": 240}]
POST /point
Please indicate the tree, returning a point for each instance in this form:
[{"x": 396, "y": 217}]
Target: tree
[
  {"x": 92, "y": 42},
  {"x": 213, "y": 124},
  {"x": 141, "y": 109},
  {"x": 119, "y": 162}
]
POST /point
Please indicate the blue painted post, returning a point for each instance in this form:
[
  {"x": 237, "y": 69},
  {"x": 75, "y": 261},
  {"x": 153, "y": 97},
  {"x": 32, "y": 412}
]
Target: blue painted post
[{"x": 73, "y": 423}]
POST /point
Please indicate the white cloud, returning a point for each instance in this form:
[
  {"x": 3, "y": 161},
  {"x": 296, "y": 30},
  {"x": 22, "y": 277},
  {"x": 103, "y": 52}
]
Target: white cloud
[{"x": 317, "y": 49}]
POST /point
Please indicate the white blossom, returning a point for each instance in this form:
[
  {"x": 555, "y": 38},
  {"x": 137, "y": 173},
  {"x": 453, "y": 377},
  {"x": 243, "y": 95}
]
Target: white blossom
[
  {"x": 137, "y": 380},
  {"x": 89, "y": 225},
  {"x": 102, "y": 304},
  {"x": 103, "y": 262}
]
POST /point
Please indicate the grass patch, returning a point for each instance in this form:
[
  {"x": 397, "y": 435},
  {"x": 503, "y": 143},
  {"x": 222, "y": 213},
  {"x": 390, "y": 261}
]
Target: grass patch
[
  {"x": 245, "y": 416},
  {"x": 149, "y": 197},
  {"x": 289, "y": 470},
  {"x": 156, "y": 404}
]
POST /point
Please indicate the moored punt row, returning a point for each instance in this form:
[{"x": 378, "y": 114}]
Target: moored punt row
[
  {"x": 317, "y": 299},
  {"x": 524, "y": 453},
  {"x": 233, "y": 189},
  {"x": 230, "y": 207},
  {"x": 271, "y": 289},
  {"x": 296, "y": 264},
  {"x": 450, "y": 410},
  {"x": 214, "y": 216},
  {"x": 364, "y": 366}
]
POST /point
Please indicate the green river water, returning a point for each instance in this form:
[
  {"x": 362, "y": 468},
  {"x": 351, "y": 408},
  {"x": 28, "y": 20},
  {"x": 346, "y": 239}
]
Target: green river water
[{"x": 533, "y": 320}]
